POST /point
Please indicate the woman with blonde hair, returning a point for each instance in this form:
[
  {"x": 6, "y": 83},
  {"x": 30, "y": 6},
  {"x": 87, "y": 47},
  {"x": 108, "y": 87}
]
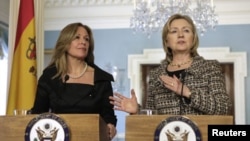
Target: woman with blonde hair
[
  {"x": 185, "y": 82},
  {"x": 72, "y": 83}
]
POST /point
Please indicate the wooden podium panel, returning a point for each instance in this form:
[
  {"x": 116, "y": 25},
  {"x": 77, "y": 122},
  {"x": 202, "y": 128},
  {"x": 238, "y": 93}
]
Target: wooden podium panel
[
  {"x": 142, "y": 127},
  {"x": 83, "y": 127}
]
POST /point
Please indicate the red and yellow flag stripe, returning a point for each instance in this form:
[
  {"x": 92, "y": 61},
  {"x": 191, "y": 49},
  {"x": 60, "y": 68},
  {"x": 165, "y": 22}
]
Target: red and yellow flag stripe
[{"x": 23, "y": 78}]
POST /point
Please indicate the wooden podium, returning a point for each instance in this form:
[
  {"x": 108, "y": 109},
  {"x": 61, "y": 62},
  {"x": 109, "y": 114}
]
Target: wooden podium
[
  {"x": 83, "y": 127},
  {"x": 142, "y": 127}
]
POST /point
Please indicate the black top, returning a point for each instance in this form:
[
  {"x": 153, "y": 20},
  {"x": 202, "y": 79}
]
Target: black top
[
  {"x": 63, "y": 98},
  {"x": 178, "y": 73}
]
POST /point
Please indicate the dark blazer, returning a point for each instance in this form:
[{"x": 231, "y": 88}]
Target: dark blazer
[{"x": 53, "y": 95}]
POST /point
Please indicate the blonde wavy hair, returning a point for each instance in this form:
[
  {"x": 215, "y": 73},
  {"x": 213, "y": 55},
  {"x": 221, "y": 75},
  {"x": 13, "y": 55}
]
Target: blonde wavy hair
[
  {"x": 67, "y": 35},
  {"x": 165, "y": 31}
]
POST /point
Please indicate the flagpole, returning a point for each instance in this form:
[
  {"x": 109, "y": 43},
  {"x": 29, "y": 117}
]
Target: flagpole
[
  {"x": 39, "y": 18},
  {"x": 13, "y": 16}
]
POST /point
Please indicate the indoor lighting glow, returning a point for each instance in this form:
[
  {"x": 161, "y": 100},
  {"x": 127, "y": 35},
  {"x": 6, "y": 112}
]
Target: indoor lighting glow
[{"x": 150, "y": 15}]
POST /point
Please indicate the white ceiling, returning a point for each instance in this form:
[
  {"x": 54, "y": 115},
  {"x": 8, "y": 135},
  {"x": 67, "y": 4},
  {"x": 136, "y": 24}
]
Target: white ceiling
[{"x": 107, "y": 14}]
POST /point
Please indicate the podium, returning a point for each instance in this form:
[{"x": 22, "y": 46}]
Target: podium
[
  {"x": 87, "y": 127},
  {"x": 142, "y": 127}
]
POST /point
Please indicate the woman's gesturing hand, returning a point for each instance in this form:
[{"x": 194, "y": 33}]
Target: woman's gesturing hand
[{"x": 125, "y": 104}]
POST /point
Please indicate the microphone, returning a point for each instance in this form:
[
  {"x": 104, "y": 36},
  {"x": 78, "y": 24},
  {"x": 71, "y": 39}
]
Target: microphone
[
  {"x": 66, "y": 78},
  {"x": 182, "y": 79},
  {"x": 183, "y": 75},
  {"x": 62, "y": 86}
]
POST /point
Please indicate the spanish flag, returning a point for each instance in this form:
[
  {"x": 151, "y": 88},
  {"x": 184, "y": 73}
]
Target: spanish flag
[{"x": 23, "y": 79}]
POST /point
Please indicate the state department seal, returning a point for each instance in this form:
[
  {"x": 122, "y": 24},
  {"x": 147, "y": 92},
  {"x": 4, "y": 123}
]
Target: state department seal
[
  {"x": 47, "y": 127},
  {"x": 177, "y": 128}
]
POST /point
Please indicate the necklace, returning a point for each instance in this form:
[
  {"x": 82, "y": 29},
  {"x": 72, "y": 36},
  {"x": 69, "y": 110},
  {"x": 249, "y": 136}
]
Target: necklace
[
  {"x": 81, "y": 74},
  {"x": 179, "y": 65}
]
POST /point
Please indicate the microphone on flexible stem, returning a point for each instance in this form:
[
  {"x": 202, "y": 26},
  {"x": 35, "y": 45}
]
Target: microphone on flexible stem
[
  {"x": 66, "y": 78},
  {"x": 182, "y": 76},
  {"x": 62, "y": 86}
]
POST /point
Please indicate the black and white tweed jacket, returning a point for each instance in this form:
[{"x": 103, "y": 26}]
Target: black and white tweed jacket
[{"x": 208, "y": 91}]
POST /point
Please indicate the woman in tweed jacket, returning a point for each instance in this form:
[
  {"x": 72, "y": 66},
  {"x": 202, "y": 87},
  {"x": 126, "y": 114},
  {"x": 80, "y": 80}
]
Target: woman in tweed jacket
[{"x": 184, "y": 83}]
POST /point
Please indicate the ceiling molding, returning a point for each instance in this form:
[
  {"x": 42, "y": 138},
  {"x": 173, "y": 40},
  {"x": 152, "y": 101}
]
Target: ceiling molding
[
  {"x": 66, "y": 3},
  {"x": 111, "y": 14}
]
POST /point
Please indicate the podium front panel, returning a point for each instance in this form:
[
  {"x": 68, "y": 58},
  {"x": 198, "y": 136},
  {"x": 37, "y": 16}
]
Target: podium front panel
[
  {"x": 143, "y": 127},
  {"x": 87, "y": 127}
]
